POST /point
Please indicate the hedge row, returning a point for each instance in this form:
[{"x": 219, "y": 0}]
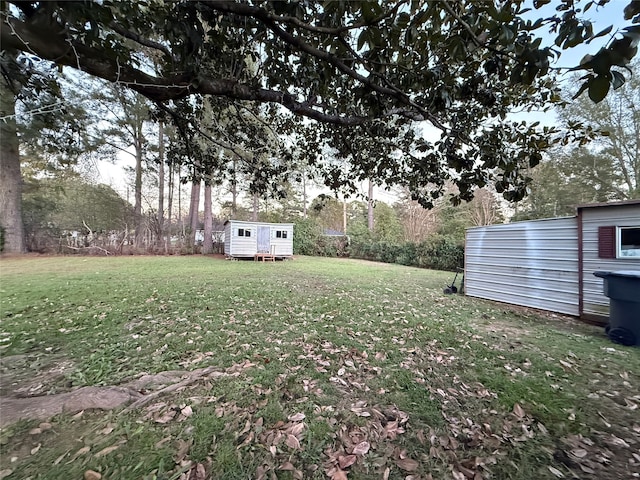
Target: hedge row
[{"x": 437, "y": 253}]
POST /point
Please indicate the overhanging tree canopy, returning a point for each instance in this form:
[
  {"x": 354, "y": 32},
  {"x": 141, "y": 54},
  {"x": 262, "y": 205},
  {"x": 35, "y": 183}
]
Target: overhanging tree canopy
[{"x": 460, "y": 65}]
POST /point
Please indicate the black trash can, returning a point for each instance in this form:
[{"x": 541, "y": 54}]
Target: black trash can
[{"x": 623, "y": 289}]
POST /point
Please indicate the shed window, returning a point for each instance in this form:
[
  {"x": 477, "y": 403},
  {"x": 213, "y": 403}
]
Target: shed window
[
  {"x": 628, "y": 242},
  {"x": 281, "y": 234},
  {"x": 244, "y": 232}
]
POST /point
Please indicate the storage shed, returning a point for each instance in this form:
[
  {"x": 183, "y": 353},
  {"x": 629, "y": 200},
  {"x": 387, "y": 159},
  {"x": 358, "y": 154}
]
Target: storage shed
[
  {"x": 549, "y": 264},
  {"x": 244, "y": 239}
]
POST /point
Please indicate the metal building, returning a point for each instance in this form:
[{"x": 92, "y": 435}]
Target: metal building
[
  {"x": 609, "y": 240},
  {"x": 533, "y": 264},
  {"x": 549, "y": 264}
]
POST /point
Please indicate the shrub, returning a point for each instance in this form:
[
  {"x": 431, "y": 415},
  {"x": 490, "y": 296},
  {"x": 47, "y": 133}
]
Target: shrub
[
  {"x": 439, "y": 252},
  {"x": 407, "y": 254},
  {"x": 305, "y": 237},
  {"x": 331, "y": 246}
]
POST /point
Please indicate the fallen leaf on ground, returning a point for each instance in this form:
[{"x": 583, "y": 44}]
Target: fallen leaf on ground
[
  {"x": 288, "y": 466},
  {"x": 292, "y": 442},
  {"x": 106, "y": 451},
  {"x": 579, "y": 452},
  {"x": 518, "y": 411},
  {"x": 586, "y": 469},
  {"x": 339, "y": 475},
  {"x": 407, "y": 464},
  {"x": 556, "y": 472},
  {"x": 346, "y": 461},
  {"x": 61, "y": 457},
  {"x": 458, "y": 475},
  {"x": 361, "y": 449},
  {"x": 296, "y": 429},
  {"x": 82, "y": 451},
  {"x": 92, "y": 475},
  {"x": 199, "y": 472},
  {"x": 166, "y": 416},
  {"x": 297, "y": 417},
  {"x": 616, "y": 441},
  {"x": 183, "y": 448}
]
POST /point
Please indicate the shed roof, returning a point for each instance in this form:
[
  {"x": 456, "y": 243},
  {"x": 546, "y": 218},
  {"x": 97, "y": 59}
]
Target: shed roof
[
  {"x": 247, "y": 222},
  {"x": 635, "y": 201},
  {"x": 521, "y": 222}
]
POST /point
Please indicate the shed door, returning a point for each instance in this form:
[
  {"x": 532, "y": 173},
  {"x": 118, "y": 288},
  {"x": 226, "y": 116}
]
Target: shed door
[{"x": 264, "y": 239}]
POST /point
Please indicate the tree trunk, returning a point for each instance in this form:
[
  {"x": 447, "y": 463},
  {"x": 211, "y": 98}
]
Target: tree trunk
[
  {"x": 370, "y": 207},
  {"x": 193, "y": 213},
  {"x": 167, "y": 244},
  {"x": 344, "y": 216},
  {"x": 180, "y": 216},
  {"x": 160, "y": 184},
  {"x": 304, "y": 197},
  {"x": 207, "y": 244},
  {"x": 255, "y": 207},
  {"x": 234, "y": 191},
  {"x": 137, "y": 207},
  {"x": 10, "y": 177}
]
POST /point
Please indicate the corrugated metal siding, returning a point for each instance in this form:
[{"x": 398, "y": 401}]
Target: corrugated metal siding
[
  {"x": 594, "y": 301},
  {"x": 533, "y": 264}
]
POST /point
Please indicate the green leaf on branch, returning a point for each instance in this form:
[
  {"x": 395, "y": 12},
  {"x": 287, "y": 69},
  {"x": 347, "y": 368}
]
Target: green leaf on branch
[
  {"x": 618, "y": 80},
  {"x": 598, "y": 88},
  {"x": 600, "y": 34},
  {"x": 584, "y": 86}
]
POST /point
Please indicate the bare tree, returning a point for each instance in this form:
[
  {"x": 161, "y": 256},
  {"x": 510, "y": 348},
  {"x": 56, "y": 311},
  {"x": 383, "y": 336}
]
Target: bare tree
[
  {"x": 417, "y": 222},
  {"x": 484, "y": 209}
]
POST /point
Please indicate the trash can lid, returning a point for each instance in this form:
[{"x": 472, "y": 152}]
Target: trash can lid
[{"x": 618, "y": 273}]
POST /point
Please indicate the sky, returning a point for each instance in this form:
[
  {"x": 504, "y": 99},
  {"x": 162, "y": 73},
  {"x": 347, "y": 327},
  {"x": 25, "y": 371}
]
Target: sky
[
  {"x": 113, "y": 174},
  {"x": 611, "y": 14}
]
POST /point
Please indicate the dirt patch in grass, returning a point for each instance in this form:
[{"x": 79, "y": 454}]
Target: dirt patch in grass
[
  {"x": 38, "y": 387},
  {"x": 136, "y": 393},
  {"x": 24, "y": 376},
  {"x": 531, "y": 319}
]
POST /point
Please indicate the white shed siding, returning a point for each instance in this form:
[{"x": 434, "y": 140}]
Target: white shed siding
[
  {"x": 283, "y": 247},
  {"x": 594, "y": 301},
  {"x": 236, "y": 246},
  {"x": 227, "y": 238},
  {"x": 534, "y": 264}
]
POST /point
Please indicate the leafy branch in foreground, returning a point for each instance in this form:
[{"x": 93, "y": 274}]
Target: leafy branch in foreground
[{"x": 457, "y": 66}]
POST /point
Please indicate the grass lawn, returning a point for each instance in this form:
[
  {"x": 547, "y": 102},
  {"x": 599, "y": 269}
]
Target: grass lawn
[{"x": 312, "y": 368}]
